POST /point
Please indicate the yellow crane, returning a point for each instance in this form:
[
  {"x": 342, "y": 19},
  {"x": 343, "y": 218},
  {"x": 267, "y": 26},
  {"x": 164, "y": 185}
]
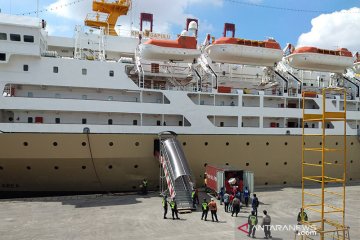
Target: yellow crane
[{"x": 106, "y": 14}]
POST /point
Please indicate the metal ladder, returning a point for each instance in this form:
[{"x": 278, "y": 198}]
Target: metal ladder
[{"x": 175, "y": 178}]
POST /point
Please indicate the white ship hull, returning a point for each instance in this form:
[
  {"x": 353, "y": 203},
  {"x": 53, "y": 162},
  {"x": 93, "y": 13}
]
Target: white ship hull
[
  {"x": 70, "y": 166},
  {"x": 319, "y": 62},
  {"x": 247, "y": 55},
  {"x": 157, "y": 53}
]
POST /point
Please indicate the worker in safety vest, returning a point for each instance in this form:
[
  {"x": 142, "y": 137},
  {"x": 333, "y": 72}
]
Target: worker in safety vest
[
  {"x": 165, "y": 205},
  {"x": 205, "y": 209},
  {"x": 144, "y": 186},
  {"x": 252, "y": 221},
  {"x": 302, "y": 216},
  {"x": 193, "y": 198},
  {"x": 174, "y": 210}
]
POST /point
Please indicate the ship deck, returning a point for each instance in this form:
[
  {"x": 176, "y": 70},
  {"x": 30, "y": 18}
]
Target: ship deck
[{"x": 134, "y": 216}]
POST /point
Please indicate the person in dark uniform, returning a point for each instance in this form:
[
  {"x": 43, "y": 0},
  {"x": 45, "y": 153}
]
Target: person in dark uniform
[
  {"x": 205, "y": 209},
  {"x": 246, "y": 196},
  {"x": 174, "y": 210},
  {"x": 165, "y": 205},
  {"x": 255, "y": 204}
]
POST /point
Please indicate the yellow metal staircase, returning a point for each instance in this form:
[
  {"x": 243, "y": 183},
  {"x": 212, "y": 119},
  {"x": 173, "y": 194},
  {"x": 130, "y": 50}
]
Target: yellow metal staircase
[
  {"x": 326, "y": 208},
  {"x": 107, "y": 14}
]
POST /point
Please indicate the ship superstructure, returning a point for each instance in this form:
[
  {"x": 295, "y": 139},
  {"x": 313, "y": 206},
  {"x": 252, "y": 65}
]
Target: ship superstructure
[{"x": 83, "y": 113}]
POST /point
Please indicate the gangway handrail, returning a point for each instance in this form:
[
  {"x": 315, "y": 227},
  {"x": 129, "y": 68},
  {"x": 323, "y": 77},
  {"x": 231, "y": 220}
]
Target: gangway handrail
[
  {"x": 356, "y": 85},
  {"x": 284, "y": 79},
  {"x": 294, "y": 77}
]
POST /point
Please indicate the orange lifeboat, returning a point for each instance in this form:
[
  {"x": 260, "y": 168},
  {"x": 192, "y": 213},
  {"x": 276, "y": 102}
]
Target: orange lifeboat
[
  {"x": 357, "y": 63},
  {"x": 243, "y": 51},
  {"x": 323, "y": 60},
  {"x": 182, "y": 49}
]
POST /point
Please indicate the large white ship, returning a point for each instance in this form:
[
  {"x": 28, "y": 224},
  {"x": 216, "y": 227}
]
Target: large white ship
[{"x": 83, "y": 113}]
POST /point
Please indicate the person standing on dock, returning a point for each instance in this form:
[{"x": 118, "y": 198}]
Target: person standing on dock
[
  {"x": 144, "y": 186},
  {"x": 221, "y": 195},
  {"x": 213, "y": 209},
  {"x": 174, "y": 210},
  {"x": 252, "y": 221},
  {"x": 165, "y": 205},
  {"x": 226, "y": 201},
  {"x": 266, "y": 225},
  {"x": 205, "y": 209},
  {"x": 246, "y": 196},
  {"x": 302, "y": 216},
  {"x": 255, "y": 203},
  {"x": 235, "y": 206}
]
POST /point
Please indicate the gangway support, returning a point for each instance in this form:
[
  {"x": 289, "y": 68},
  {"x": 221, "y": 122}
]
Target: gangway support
[
  {"x": 321, "y": 204},
  {"x": 175, "y": 175}
]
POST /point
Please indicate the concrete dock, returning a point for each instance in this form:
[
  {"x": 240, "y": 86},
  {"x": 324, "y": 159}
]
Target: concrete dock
[{"x": 87, "y": 217}]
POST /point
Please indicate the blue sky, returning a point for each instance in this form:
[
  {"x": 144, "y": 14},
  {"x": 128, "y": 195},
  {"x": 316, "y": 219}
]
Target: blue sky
[{"x": 252, "y": 22}]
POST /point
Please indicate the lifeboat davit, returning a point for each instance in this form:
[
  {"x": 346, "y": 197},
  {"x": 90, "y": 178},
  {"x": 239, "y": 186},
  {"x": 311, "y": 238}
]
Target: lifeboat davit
[
  {"x": 242, "y": 51},
  {"x": 357, "y": 63},
  {"x": 183, "y": 49},
  {"x": 323, "y": 60}
]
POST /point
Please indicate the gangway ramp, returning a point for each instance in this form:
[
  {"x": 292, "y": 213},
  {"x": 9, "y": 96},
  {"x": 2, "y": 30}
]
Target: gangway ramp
[{"x": 175, "y": 175}]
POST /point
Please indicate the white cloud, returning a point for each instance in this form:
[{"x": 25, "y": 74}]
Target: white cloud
[
  {"x": 334, "y": 30},
  {"x": 166, "y": 13},
  {"x": 23, "y": 20}
]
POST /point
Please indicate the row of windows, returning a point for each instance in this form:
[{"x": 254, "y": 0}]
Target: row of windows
[
  {"x": 17, "y": 37},
  {"x": 84, "y": 121},
  {"x": 56, "y": 69}
]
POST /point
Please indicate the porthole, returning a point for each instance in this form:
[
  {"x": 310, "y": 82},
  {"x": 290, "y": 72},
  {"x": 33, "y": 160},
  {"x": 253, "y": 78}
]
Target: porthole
[
  {"x": 83, "y": 167},
  {"x": 134, "y": 187},
  {"x": 1, "y": 168},
  {"x": 137, "y": 144},
  {"x": 284, "y": 182},
  {"x": 247, "y": 164},
  {"x": 247, "y": 144},
  {"x": 227, "y": 164},
  {"x": 267, "y": 164},
  {"x": 320, "y": 143},
  {"x": 351, "y": 161},
  {"x": 304, "y": 143},
  {"x": 110, "y": 167},
  {"x": 285, "y": 163},
  {"x": 184, "y": 143},
  {"x": 83, "y": 143},
  {"x": 267, "y": 143},
  {"x": 111, "y": 144},
  {"x": 336, "y": 162},
  {"x": 28, "y": 168},
  {"x": 352, "y": 143},
  {"x": 266, "y": 183},
  {"x": 350, "y": 179},
  {"x": 11, "y": 119},
  {"x": 56, "y": 167},
  {"x": 25, "y": 144},
  {"x": 227, "y": 143},
  {"x": 206, "y": 143},
  {"x": 336, "y": 143},
  {"x": 136, "y": 166},
  {"x": 319, "y": 162},
  {"x": 55, "y": 144},
  {"x": 286, "y": 143},
  {"x": 205, "y": 164}
]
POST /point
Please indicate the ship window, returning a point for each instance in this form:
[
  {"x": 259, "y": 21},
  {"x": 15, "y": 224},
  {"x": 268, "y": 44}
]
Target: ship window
[
  {"x": 25, "y": 67},
  {"x": 3, "y": 36},
  {"x": 180, "y": 123},
  {"x": 110, "y": 98},
  {"x": 57, "y": 120},
  {"x": 15, "y": 37},
  {"x": 28, "y": 38},
  {"x": 30, "y": 120},
  {"x": 55, "y": 69},
  {"x": 84, "y": 71},
  {"x": 111, "y": 73},
  {"x": 158, "y": 123},
  {"x": 221, "y": 124},
  {"x": 57, "y": 95},
  {"x": 83, "y": 121},
  {"x": 84, "y": 97},
  {"x": 134, "y": 122},
  {"x": 30, "y": 94},
  {"x": 2, "y": 57},
  {"x": 110, "y": 121}
]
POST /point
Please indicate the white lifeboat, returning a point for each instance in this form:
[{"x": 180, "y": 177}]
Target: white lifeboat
[
  {"x": 323, "y": 60},
  {"x": 183, "y": 49},
  {"x": 357, "y": 63},
  {"x": 242, "y": 51}
]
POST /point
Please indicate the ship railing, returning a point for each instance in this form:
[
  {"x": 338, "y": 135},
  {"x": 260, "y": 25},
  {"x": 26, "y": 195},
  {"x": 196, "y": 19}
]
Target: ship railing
[
  {"x": 98, "y": 17},
  {"x": 121, "y": 2}
]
